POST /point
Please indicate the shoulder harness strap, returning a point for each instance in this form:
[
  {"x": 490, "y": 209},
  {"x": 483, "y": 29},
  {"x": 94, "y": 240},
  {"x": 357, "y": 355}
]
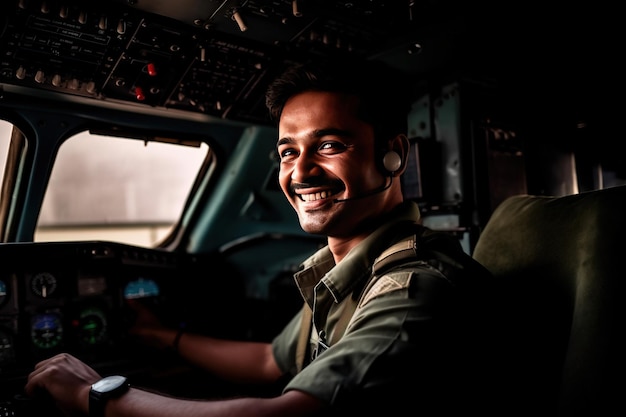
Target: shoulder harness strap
[{"x": 303, "y": 338}]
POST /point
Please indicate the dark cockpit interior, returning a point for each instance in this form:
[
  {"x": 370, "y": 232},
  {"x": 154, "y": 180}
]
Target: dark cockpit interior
[{"x": 495, "y": 86}]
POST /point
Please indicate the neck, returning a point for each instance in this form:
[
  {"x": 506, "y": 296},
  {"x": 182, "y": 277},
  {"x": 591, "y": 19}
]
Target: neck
[{"x": 340, "y": 247}]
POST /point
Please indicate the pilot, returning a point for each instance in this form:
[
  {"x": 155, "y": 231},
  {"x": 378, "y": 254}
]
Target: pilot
[{"x": 394, "y": 314}]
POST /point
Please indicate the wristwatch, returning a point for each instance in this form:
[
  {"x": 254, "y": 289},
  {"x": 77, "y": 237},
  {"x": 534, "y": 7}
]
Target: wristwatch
[{"x": 101, "y": 391}]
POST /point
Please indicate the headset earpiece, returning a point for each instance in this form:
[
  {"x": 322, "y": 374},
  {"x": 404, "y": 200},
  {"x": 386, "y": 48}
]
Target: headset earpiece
[{"x": 392, "y": 161}]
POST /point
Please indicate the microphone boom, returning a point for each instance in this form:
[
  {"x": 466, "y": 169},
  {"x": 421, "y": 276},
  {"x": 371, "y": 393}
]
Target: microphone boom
[{"x": 368, "y": 194}]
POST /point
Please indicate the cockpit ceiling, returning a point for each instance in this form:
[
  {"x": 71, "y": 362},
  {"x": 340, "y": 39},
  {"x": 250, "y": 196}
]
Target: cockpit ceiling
[
  {"x": 211, "y": 57},
  {"x": 216, "y": 57}
]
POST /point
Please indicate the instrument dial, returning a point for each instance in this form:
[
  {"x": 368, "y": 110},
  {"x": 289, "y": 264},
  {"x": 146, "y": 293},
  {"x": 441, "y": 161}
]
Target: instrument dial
[
  {"x": 141, "y": 288},
  {"x": 92, "y": 326},
  {"x": 46, "y": 330},
  {"x": 44, "y": 284}
]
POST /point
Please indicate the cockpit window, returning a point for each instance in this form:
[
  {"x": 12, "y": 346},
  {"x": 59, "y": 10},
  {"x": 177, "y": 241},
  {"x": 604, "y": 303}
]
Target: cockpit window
[{"x": 111, "y": 188}]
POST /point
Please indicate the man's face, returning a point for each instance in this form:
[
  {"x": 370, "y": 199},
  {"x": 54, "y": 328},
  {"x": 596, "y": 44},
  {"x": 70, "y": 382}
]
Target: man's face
[{"x": 327, "y": 153}]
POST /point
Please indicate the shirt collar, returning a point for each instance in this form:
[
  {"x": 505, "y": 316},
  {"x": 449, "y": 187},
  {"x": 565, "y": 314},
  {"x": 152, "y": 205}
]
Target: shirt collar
[{"x": 356, "y": 266}]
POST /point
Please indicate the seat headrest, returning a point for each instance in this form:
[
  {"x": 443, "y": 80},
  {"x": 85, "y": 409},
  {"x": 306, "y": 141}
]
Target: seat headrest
[{"x": 584, "y": 230}]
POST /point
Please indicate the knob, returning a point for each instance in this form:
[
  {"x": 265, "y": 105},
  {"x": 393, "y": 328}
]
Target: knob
[
  {"x": 91, "y": 87},
  {"x": 20, "y": 74},
  {"x": 56, "y": 80},
  {"x": 40, "y": 76},
  {"x": 73, "y": 84},
  {"x": 121, "y": 27}
]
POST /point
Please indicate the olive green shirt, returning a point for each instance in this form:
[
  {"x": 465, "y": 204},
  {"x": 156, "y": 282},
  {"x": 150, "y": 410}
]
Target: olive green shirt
[{"x": 400, "y": 332}]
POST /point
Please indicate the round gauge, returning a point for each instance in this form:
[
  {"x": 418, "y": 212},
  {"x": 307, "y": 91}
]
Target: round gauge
[
  {"x": 44, "y": 284},
  {"x": 7, "y": 350},
  {"x": 141, "y": 288},
  {"x": 46, "y": 330},
  {"x": 92, "y": 326},
  {"x": 4, "y": 292}
]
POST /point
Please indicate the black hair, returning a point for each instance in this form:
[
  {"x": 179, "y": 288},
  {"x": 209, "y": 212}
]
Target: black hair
[{"x": 384, "y": 102}]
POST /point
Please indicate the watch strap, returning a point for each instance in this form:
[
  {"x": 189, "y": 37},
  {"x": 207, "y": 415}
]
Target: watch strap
[
  {"x": 96, "y": 404},
  {"x": 98, "y": 398}
]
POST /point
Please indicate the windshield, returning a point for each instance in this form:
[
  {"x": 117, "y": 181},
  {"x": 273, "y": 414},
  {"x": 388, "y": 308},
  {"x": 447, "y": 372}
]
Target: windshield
[{"x": 110, "y": 188}]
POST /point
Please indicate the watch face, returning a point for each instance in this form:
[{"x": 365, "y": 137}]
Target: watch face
[{"x": 108, "y": 384}]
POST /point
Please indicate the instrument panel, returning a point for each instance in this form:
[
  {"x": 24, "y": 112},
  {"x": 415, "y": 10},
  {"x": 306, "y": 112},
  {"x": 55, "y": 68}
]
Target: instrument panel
[
  {"x": 58, "y": 315},
  {"x": 72, "y": 297}
]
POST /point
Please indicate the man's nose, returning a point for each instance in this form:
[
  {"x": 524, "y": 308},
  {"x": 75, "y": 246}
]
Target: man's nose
[{"x": 305, "y": 166}]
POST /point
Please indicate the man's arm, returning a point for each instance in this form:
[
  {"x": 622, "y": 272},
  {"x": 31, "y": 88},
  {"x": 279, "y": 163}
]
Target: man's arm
[
  {"x": 237, "y": 361},
  {"x": 138, "y": 403},
  {"x": 68, "y": 380}
]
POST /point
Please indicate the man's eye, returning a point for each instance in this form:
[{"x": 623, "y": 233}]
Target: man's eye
[
  {"x": 336, "y": 146},
  {"x": 286, "y": 153}
]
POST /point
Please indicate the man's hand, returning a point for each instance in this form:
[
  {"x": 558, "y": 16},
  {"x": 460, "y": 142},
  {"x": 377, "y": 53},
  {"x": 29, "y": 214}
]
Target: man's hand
[{"x": 64, "y": 378}]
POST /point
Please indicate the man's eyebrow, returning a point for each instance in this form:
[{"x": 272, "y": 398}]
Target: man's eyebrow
[
  {"x": 332, "y": 131},
  {"x": 284, "y": 141}
]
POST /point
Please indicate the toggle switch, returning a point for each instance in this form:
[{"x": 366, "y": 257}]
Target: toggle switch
[
  {"x": 139, "y": 95},
  {"x": 151, "y": 69},
  {"x": 237, "y": 18}
]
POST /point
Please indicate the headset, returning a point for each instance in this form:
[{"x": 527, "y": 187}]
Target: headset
[{"x": 392, "y": 162}]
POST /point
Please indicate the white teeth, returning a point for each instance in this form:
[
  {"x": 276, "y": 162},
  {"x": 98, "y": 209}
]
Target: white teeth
[{"x": 315, "y": 196}]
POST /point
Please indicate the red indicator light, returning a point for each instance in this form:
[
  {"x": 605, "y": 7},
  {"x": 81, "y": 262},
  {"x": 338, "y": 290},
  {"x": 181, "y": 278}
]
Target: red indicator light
[
  {"x": 139, "y": 94},
  {"x": 151, "y": 70}
]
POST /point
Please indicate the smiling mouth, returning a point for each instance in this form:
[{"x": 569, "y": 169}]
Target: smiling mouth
[{"x": 322, "y": 195}]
